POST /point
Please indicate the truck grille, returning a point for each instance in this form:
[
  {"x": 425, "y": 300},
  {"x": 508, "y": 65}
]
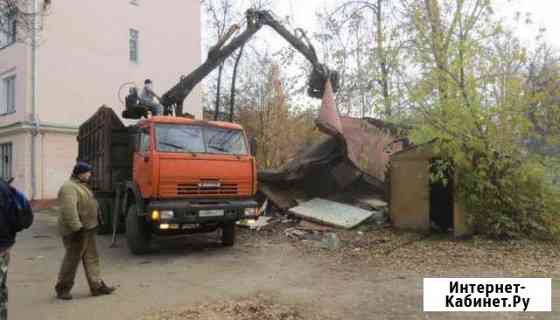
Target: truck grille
[{"x": 196, "y": 189}]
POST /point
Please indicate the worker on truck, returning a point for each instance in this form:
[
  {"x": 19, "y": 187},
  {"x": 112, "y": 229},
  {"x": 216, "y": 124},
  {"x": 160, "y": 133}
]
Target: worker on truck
[
  {"x": 148, "y": 98},
  {"x": 77, "y": 224}
]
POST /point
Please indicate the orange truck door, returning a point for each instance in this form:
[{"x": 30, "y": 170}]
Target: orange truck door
[{"x": 143, "y": 163}]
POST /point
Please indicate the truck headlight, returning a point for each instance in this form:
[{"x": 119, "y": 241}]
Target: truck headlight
[
  {"x": 167, "y": 214},
  {"x": 155, "y": 215},
  {"x": 251, "y": 212}
]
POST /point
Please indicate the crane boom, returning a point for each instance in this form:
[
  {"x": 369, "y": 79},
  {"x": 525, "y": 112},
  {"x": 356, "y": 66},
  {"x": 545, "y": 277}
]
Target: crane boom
[{"x": 256, "y": 19}]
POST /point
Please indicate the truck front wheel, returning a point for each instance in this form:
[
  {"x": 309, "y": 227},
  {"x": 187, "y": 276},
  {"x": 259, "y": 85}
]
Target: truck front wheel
[
  {"x": 228, "y": 234},
  {"x": 137, "y": 233}
]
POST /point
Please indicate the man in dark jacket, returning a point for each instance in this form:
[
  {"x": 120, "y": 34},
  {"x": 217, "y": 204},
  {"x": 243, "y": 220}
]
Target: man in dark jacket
[{"x": 9, "y": 198}]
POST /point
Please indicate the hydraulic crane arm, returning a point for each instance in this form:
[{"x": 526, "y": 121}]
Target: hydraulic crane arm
[{"x": 255, "y": 21}]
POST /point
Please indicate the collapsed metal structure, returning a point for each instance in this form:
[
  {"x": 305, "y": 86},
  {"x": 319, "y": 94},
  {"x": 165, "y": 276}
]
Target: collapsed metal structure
[{"x": 348, "y": 164}]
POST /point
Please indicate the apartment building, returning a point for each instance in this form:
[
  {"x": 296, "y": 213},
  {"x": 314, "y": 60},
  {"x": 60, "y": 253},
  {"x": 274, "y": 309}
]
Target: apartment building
[{"x": 86, "y": 51}]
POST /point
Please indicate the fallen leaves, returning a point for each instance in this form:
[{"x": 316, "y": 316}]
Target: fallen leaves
[
  {"x": 436, "y": 254},
  {"x": 440, "y": 255},
  {"x": 258, "y": 307}
]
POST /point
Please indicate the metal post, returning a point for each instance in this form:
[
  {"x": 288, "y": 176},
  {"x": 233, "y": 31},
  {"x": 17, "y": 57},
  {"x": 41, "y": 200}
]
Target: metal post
[{"x": 34, "y": 93}]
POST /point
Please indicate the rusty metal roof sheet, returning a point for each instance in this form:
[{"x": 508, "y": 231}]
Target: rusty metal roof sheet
[{"x": 352, "y": 153}]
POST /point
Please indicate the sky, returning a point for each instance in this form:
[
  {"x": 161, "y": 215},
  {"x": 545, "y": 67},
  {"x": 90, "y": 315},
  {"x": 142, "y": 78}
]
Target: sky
[{"x": 543, "y": 13}]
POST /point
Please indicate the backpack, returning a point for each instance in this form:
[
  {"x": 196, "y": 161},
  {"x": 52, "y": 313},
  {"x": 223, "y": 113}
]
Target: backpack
[{"x": 19, "y": 205}]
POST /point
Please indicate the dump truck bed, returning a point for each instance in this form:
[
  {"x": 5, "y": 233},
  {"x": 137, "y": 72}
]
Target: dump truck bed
[{"x": 107, "y": 144}]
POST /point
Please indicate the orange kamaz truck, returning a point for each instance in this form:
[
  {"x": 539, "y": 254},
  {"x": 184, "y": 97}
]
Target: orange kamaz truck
[{"x": 168, "y": 176}]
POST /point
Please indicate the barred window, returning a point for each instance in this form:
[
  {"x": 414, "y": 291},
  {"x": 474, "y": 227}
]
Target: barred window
[
  {"x": 133, "y": 41},
  {"x": 8, "y": 95},
  {"x": 6, "y": 160}
]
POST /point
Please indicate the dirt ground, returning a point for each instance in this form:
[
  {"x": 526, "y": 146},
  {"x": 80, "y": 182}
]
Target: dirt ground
[{"x": 376, "y": 275}]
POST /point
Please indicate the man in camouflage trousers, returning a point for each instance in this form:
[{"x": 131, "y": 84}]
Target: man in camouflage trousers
[
  {"x": 77, "y": 225},
  {"x": 4, "y": 261},
  {"x": 15, "y": 215}
]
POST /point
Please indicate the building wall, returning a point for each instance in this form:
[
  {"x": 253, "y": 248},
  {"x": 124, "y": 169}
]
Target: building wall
[
  {"x": 15, "y": 60},
  {"x": 410, "y": 194},
  {"x": 84, "y": 58},
  {"x": 59, "y": 156},
  {"x": 461, "y": 224}
]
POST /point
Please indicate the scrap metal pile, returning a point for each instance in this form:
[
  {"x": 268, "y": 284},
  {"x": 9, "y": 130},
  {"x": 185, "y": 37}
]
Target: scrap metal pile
[{"x": 338, "y": 182}]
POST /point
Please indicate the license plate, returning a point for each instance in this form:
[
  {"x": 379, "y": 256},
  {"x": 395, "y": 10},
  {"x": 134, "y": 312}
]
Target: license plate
[{"x": 211, "y": 213}]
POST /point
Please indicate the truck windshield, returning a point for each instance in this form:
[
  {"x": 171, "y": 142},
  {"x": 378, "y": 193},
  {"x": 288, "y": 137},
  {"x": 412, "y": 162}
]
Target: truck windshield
[{"x": 199, "y": 139}]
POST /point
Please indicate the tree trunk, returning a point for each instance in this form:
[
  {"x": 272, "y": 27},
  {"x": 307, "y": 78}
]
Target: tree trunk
[
  {"x": 218, "y": 92},
  {"x": 360, "y": 72},
  {"x": 439, "y": 49},
  {"x": 233, "y": 82},
  {"x": 383, "y": 62}
]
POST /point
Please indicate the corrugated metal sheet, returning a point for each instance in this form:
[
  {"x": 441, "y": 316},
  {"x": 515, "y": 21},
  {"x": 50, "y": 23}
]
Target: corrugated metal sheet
[{"x": 331, "y": 213}]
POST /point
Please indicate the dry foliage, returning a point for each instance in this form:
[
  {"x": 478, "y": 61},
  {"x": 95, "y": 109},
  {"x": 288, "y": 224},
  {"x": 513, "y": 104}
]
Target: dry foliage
[
  {"x": 441, "y": 255},
  {"x": 387, "y": 249},
  {"x": 259, "y": 307},
  {"x": 280, "y": 131}
]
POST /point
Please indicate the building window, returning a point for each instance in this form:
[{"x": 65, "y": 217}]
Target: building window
[
  {"x": 134, "y": 45},
  {"x": 7, "y": 30},
  {"x": 8, "y": 95},
  {"x": 6, "y": 161}
]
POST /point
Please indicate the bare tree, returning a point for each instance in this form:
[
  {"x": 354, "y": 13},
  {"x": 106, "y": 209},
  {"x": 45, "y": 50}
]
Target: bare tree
[
  {"x": 256, "y": 5},
  {"x": 220, "y": 14},
  {"x": 233, "y": 83},
  {"x": 543, "y": 85},
  {"x": 365, "y": 39},
  {"x": 18, "y": 18}
]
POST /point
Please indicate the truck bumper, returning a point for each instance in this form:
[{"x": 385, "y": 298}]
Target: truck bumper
[{"x": 202, "y": 212}]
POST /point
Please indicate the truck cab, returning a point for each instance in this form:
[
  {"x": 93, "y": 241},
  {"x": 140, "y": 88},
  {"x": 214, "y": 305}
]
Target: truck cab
[{"x": 189, "y": 176}]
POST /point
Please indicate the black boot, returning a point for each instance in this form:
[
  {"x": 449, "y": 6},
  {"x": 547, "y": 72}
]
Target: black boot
[
  {"x": 102, "y": 289},
  {"x": 63, "y": 292}
]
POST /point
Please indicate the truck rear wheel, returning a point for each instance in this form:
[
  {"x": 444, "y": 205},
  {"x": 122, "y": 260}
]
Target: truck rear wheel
[
  {"x": 137, "y": 234},
  {"x": 228, "y": 234}
]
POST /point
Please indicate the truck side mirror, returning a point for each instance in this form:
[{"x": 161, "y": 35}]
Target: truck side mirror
[{"x": 253, "y": 146}]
